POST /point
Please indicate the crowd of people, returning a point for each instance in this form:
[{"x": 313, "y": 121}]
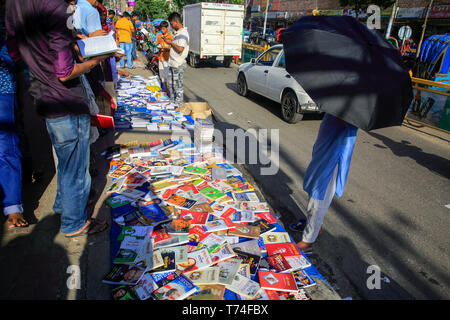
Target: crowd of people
[{"x": 39, "y": 38}]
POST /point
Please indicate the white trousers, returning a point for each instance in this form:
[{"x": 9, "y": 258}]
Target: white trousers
[{"x": 317, "y": 210}]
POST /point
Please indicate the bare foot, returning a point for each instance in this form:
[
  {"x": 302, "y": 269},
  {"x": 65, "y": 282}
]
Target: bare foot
[{"x": 16, "y": 220}]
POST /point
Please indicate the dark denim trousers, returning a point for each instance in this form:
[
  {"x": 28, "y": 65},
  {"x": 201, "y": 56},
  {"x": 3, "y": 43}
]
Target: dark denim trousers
[
  {"x": 70, "y": 138},
  {"x": 10, "y": 165}
]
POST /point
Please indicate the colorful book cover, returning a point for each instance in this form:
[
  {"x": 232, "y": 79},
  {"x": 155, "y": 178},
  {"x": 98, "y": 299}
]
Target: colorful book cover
[
  {"x": 179, "y": 227},
  {"x": 135, "y": 179},
  {"x": 218, "y": 225},
  {"x": 286, "y": 249},
  {"x": 137, "y": 232},
  {"x": 160, "y": 235},
  {"x": 121, "y": 171},
  {"x": 213, "y": 242},
  {"x": 228, "y": 269},
  {"x": 251, "y": 259},
  {"x": 254, "y": 206},
  {"x": 124, "y": 293},
  {"x": 145, "y": 287},
  {"x": 133, "y": 194},
  {"x": 115, "y": 186},
  {"x": 244, "y": 286},
  {"x": 298, "y": 262},
  {"x": 222, "y": 253},
  {"x": 266, "y": 216},
  {"x": 275, "y": 237},
  {"x": 245, "y": 197},
  {"x": 196, "y": 218},
  {"x": 277, "y": 281},
  {"x": 208, "y": 275},
  {"x": 195, "y": 170},
  {"x": 197, "y": 260},
  {"x": 124, "y": 274},
  {"x": 168, "y": 258},
  {"x": 278, "y": 263},
  {"x": 245, "y": 231},
  {"x": 179, "y": 251},
  {"x": 221, "y": 209},
  {"x": 302, "y": 279},
  {"x": 208, "y": 292},
  {"x": 250, "y": 246},
  {"x": 197, "y": 234},
  {"x": 264, "y": 226},
  {"x": 117, "y": 201},
  {"x": 154, "y": 214},
  {"x": 180, "y": 202},
  {"x": 178, "y": 289}
]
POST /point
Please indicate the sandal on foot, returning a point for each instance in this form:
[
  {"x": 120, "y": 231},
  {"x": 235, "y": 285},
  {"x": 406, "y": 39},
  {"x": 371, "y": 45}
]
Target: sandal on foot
[
  {"x": 20, "y": 221},
  {"x": 91, "y": 226}
]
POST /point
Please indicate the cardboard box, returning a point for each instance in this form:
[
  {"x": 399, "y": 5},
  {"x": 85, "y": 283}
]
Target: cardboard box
[{"x": 196, "y": 110}]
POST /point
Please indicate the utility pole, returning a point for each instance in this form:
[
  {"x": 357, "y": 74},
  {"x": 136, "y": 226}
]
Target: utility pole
[
  {"x": 265, "y": 19},
  {"x": 391, "y": 20},
  {"x": 423, "y": 29}
]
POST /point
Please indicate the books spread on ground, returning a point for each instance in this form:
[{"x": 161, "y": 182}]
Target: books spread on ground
[{"x": 184, "y": 234}]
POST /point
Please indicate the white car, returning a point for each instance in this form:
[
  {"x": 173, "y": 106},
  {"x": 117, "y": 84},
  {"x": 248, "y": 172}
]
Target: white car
[{"x": 267, "y": 76}]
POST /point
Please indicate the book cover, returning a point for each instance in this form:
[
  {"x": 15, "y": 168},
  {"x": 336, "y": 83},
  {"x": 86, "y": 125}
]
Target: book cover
[
  {"x": 241, "y": 216},
  {"x": 208, "y": 275},
  {"x": 244, "y": 270},
  {"x": 301, "y": 294},
  {"x": 266, "y": 216},
  {"x": 218, "y": 225},
  {"x": 195, "y": 170},
  {"x": 245, "y": 197},
  {"x": 115, "y": 186},
  {"x": 133, "y": 194},
  {"x": 135, "y": 179},
  {"x": 128, "y": 251},
  {"x": 254, "y": 206},
  {"x": 209, "y": 292},
  {"x": 180, "y": 252},
  {"x": 250, "y": 246},
  {"x": 154, "y": 214},
  {"x": 121, "y": 171},
  {"x": 137, "y": 232},
  {"x": 197, "y": 260},
  {"x": 168, "y": 258},
  {"x": 173, "y": 241},
  {"x": 201, "y": 207},
  {"x": 124, "y": 274},
  {"x": 251, "y": 259},
  {"x": 244, "y": 286},
  {"x": 145, "y": 287},
  {"x": 117, "y": 201},
  {"x": 297, "y": 262},
  {"x": 124, "y": 293},
  {"x": 160, "y": 235},
  {"x": 302, "y": 279},
  {"x": 97, "y": 46},
  {"x": 164, "y": 278},
  {"x": 277, "y": 281},
  {"x": 212, "y": 242},
  {"x": 245, "y": 231},
  {"x": 179, "y": 227},
  {"x": 264, "y": 226},
  {"x": 277, "y": 263},
  {"x": 178, "y": 289},
  {"x": 286, "y": 249},
  {"x": 157, "y": 260},
  {"x": 275, "y": 237},
  {"x": 180, "y": 202},
  {"x": 196, "y": 218},
  {"x": 228, "y": 269},
  {"x": 197, "y": 234},
  {"x": 222, "y": 253}
]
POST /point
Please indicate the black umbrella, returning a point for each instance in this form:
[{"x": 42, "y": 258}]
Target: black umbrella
[{"x": 349, "y": 71}]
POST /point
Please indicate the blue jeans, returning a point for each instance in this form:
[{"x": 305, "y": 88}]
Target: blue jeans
[
  {"x": 128, "y": 47},
  {"x": 10, "y": 165},
  {"x": 133, "y": 50},
  {"x": 70, "y": 138}
]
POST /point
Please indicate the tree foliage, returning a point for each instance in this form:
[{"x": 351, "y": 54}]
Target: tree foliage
[{"x": 155, "y": 9}]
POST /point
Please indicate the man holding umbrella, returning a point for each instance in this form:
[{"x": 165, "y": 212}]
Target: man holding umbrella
[{"x": 360, "y": 81}]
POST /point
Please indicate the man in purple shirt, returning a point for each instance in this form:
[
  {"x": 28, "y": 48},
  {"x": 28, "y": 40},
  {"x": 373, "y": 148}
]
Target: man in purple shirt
[{"x": 38, "y": 35}]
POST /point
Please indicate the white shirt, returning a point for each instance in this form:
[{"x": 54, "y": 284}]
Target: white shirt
[{"x": 181, "y": 39}]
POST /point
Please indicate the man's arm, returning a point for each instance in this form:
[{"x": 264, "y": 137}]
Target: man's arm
[
  {"x": 81, "y": 68},
  {"x": 177, "y": 48}
]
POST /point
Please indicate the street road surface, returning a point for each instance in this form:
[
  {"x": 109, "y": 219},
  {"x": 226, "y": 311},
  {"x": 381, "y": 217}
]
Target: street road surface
[{"x": 392, "y": 213}]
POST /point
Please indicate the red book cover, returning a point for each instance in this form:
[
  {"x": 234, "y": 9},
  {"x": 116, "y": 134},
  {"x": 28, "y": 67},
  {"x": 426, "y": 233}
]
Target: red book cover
[
  {"x": 278, "y": 262},
  {"x": 197, "y": 218},
  {"x": 197, "y": 234},
  {"x": 101, "y": 121},
  {"x": 266, "y": 216},
  {"x": 277, "y": 281},
  {"x": 286, "y": 249},
  {"x": 160, "y": 235}
]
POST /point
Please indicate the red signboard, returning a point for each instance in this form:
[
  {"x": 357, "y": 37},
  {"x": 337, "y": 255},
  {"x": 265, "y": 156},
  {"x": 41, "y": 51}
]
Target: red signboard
[{"x": 439, "y": 12}]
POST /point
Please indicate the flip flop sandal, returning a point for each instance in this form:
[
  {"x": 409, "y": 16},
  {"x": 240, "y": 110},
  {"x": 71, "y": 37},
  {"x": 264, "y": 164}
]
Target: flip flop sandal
[
  {"x": 12, "y": 226},
  {"x": 90, "y": 228}
]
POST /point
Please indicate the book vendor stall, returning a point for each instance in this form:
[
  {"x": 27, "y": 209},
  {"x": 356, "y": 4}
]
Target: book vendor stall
[{"x": 186, "y": 222}]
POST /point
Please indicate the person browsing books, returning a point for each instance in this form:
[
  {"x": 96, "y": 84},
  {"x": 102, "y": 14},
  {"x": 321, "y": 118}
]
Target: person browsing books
[
  {"x": 55, "y": 86},
  {"x": 164, "y": 52},
  {"x": 125, "y": 29},
  {"x": 179, "y": 49},
  {"x": 326, "y": 175}
]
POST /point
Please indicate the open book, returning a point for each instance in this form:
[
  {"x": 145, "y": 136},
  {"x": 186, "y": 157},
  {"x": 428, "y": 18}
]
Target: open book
[{"x": 97, "y": 46}]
